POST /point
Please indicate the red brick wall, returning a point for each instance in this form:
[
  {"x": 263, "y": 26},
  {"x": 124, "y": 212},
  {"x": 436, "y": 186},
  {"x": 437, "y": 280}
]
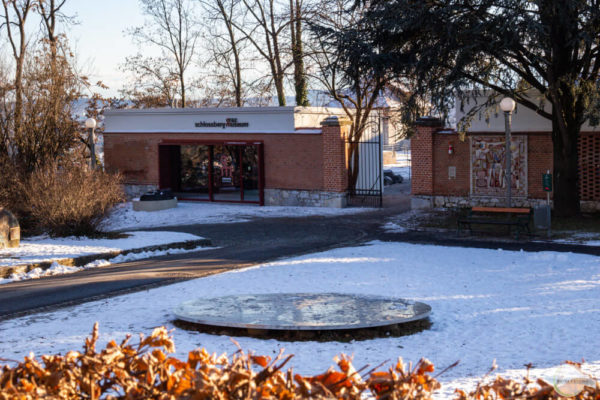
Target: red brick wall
[
  {"x": 134, "y": 156},
  {"x": 431, "y": 161},
  {"x": 442, "y": 183},
  {"x": 292, "y": 161},
  {"x": 335, "y": 173},
  {"x": 539, "y": 160},
  {"x": 589, "y": 166},
  {"x": 421, "y": 147}
]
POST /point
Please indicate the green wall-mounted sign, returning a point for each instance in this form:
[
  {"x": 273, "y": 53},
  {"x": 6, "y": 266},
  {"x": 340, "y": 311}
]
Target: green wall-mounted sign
[{"x": 547, "y": 182}]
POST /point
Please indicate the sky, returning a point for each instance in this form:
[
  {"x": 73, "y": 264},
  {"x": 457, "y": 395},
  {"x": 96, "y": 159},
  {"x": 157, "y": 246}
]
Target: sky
[{"x": 99, "y": 39}]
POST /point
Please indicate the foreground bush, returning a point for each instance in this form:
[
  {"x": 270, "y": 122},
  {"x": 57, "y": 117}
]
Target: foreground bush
[
  {"x": 144, "y": 371},
  {"x": 69, "y": 199}
]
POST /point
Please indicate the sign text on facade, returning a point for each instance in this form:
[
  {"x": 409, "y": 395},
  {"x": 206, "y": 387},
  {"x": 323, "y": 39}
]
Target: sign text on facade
[{"x": 229, "y": 123}]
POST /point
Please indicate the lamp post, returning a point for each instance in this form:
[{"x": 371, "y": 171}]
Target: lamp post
[
  {"x": 90, "y": 124},
  {"x": 508, "y": 105}
]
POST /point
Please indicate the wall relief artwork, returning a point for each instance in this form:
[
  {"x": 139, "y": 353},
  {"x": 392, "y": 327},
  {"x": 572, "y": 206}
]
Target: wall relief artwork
[{"x": 487, "y": 166}]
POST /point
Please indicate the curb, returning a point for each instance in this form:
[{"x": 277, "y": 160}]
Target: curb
[
  {"x": 6, "y": 271},
  {"x": 440, "y": 239}
]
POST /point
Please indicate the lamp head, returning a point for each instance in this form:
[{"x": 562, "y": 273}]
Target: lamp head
[
  {"x": 90, "y": 123},
  {"x": 507, "y": 105}
]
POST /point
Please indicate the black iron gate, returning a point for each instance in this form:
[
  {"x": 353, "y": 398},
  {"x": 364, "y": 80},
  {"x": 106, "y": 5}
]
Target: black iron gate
[{"x": 365, "y": 162}]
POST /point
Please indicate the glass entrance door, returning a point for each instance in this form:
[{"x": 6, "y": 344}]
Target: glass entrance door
[
  {"x": 214, "y": 172},
  {"x": 226, "y": 172},
  {"x": 194, "y": 175},
  {"x": 251, "y": 174}
]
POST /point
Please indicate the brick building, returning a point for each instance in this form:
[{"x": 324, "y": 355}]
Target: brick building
[
  {"x": 450, "y": 172},
  {"x": 271, "y": 155}
]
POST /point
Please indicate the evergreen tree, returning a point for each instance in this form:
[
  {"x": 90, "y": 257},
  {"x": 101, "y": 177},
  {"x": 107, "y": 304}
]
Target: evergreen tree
[{"x": 514, "y": 47}]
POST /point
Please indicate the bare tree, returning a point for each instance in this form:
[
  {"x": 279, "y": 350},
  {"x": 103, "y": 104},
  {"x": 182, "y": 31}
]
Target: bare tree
[
  {"x": 297, "y": 49},
  {"x": 155, "y": 83},
  {"x": 50, "y": 12},
  {"x": 14, "y": 22},
  {"x": 352, "y": 85},
  {"x": 225, "y": 44},
  {"x": 36, "y": 122},
  {"x": 171, "y": 29},
  {"x": 47, "y": 130},
  {"x": 264, "y": 28}
]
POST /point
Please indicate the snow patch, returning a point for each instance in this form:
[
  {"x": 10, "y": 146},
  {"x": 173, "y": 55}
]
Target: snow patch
[
  {"x": 123, "y": 217},
  {"x": 392, "y": 227},
  {"x": 43, "y": 248},
  {"x": 58, "y": 269},
  {"x": 511, "y": 306}
]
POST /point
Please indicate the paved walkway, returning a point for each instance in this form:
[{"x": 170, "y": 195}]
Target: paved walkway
[{"x": 241, "y": 245}]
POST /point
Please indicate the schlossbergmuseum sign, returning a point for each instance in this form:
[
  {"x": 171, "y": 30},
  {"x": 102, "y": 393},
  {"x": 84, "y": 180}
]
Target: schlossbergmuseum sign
[{"x": 229, "y": 123}]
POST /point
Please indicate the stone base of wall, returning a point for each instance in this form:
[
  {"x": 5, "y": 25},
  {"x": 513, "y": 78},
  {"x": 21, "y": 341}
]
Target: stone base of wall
[
  {"x": 590, "y": 206},
  {"x": 425, "y": 202},
  {"x": 133, "y": 191},
  {"x": 273, "y": 197},
  {"x": 304, "y": 198},
  {"x": 154, "y": 205}
]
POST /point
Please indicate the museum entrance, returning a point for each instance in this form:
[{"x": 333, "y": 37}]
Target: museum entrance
[{"x": 224, "y": 172}]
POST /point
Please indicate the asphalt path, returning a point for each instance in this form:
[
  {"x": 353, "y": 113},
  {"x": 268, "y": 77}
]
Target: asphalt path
[{"x": 239, "y": 245}]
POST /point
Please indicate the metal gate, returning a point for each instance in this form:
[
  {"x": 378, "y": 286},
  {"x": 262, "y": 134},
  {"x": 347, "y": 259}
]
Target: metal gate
[{"x": 365, "y": 156}]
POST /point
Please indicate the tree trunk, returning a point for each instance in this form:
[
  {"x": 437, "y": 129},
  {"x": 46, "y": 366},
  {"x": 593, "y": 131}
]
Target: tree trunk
[
  {"x": 18, "y": 110},
  {"x": 238, "y": 70},
  {"x": 182, "y": 83},
  {"x": 298, "y": 53},
  {"x": 566, "y": 170},
  {"x": 354, "y": 165},
  {"x": 278, "y": 74}
]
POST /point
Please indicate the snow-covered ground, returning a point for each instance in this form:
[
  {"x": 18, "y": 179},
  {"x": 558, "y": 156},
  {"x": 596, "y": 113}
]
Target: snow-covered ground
[
  {"x": 46, "y": 249},
  {"x": 587, "y": 238},
  {"x": 393, "y": 227},
  {"x": 515, "y": 307},
  {"x": 43, "y": 248},
  {"x": 58, "y": 269},
  {"x": 123, "y": 217},
  {"x": 402, "y": 165}
]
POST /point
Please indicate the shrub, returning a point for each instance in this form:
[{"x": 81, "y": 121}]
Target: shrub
[
  {"x": 69, "y": 199},
  {"x": 145, "y": 371}
]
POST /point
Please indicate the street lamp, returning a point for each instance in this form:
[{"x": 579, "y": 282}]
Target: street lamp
[
  {"x": 508, "y": 105},
  {"x": 90, "y": 124}
]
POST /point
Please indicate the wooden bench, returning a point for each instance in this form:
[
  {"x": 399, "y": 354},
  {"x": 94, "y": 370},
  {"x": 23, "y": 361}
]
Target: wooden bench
[{"x": 509, "y": 216}]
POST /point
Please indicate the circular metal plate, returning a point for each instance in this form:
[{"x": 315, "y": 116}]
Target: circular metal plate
[{"x": 301, "y": 311}]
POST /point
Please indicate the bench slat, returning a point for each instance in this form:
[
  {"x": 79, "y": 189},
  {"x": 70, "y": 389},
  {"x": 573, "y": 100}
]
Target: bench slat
[
  {"x": 509, "y": 216},
  {"x": 502, "y": 210}
]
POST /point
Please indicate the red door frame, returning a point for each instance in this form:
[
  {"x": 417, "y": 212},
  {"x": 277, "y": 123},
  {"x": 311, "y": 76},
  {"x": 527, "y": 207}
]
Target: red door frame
[
  {"x": 261, "y": 166},
  {"x": 166, "y": 161}
]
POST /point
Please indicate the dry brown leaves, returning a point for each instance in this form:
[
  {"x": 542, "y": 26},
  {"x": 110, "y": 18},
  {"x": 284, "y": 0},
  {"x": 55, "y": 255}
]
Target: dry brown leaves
[
  {"x": 538, "y": 389},
  {"x": 145, "y": 371}
]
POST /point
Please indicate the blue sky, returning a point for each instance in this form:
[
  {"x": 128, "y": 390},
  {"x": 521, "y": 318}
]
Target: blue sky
[{"x": 99, "y": 40}]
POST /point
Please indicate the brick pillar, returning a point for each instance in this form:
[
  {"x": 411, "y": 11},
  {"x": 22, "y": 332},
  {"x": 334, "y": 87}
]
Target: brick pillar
[
  {"x": 421, "y": 153},
  {"x": 335, "y": 173}
]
